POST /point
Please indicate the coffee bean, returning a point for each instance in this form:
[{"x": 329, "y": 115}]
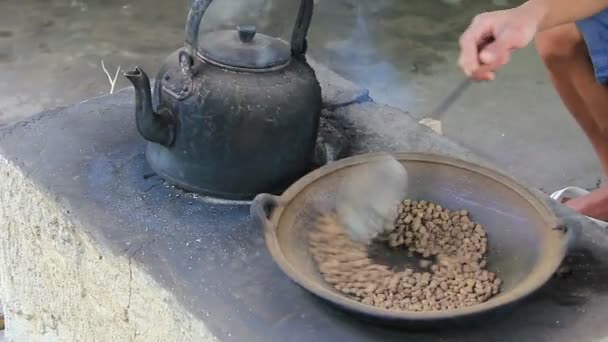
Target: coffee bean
[{"x": 456, "y": 279}]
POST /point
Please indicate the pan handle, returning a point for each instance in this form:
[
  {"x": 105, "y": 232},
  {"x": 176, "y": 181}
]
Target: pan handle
[
  {"x": 565, "y": 221},
  {"x": 261, "y": 209},
  {"x": 569, "y": 234}
]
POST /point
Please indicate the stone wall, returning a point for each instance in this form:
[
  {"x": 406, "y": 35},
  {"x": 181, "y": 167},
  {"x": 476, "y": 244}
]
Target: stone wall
[{"x": 58, "y": 284}]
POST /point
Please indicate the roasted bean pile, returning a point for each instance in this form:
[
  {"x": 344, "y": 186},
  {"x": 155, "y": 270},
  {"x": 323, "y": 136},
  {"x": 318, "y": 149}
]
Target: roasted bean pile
[{"x": 450, "y": 248}]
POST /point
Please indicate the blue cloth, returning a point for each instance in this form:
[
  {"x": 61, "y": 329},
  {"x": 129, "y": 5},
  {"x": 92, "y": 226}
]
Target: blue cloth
[{"x": 595, "y": 32}]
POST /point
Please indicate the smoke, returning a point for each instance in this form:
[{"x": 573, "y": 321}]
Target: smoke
[
  {"x": 360, "y": 59},
  {"x": 356, "y": 54}
]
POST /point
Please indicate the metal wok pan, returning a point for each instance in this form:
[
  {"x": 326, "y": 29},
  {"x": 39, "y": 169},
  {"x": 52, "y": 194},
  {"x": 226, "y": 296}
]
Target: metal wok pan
[{"x": 526, "y": 242}]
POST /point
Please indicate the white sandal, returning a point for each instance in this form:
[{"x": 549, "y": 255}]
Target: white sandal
[{"x": 574, "y": 192}]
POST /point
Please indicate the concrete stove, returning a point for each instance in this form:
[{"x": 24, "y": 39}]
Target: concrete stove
[{"x": 96, "y": 247}]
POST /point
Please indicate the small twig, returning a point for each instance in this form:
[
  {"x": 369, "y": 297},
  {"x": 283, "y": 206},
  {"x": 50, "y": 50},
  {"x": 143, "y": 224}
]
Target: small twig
[{"x": 112, "y": 80}]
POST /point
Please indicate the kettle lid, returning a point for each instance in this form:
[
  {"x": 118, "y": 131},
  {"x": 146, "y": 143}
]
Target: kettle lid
[{"x": 243, "y": 48}]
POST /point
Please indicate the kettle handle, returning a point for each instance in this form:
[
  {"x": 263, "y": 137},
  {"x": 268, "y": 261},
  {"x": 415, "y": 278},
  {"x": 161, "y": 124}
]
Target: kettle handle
[{"x": 298, "y": 36}]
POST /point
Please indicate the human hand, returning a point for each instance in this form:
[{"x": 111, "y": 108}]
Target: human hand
[{"x": 507, "y": 30}]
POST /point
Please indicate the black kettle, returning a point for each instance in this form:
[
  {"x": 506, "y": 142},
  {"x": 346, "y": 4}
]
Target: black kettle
[{"x": 233, "y": 113}]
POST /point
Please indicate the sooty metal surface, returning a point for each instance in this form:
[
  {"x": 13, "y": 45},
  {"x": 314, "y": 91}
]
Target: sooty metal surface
[{"x": 239, "y": 119}]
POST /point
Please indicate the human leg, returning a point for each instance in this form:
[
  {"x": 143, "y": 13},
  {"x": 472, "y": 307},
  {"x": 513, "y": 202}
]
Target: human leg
[
  {"x": 565, "y": 56},
  {"x": 579, "y": 70}
]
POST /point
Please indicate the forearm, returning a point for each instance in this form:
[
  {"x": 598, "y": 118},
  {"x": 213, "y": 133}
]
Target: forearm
[{"x": 551, "y": 13}]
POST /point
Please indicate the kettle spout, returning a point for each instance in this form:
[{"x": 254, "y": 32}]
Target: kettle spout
[{"x": 152, "y": 126}]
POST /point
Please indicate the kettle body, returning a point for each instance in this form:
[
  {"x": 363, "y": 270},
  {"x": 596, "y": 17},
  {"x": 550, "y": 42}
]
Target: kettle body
[{"x": 234, "y": 117}]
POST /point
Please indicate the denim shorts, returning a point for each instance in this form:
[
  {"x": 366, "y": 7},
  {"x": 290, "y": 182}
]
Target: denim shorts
[{"x": 595, "y": 32}]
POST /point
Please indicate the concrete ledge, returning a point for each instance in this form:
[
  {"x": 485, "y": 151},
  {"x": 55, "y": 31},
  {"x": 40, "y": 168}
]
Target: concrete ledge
[
  {"x": 96, "y": 247},
  {"x": 374, "y": 127},
  {"x": 96, "y": 276}
]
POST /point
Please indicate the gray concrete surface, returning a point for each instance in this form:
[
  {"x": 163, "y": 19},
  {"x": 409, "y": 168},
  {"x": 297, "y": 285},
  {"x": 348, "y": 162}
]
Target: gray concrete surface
[
  {"x": 98, "y": 275},
  {"x": 403, "y": 51},
  {"x": 116, "y": 255}
]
